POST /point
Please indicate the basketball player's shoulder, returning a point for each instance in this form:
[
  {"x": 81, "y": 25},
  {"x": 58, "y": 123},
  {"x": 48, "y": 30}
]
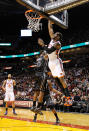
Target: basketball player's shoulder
[
  {"x": 13, "y": 80},
  {"x": 5, "y": 81}
]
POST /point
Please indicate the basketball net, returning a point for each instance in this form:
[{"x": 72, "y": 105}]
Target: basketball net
[{"x": 34, "y": 20}]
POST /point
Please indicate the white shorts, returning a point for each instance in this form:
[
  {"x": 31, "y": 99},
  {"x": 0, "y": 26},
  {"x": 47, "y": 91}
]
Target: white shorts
[
  {"x": 9, "y": 96},
  {"x": 56, "y": 68}
]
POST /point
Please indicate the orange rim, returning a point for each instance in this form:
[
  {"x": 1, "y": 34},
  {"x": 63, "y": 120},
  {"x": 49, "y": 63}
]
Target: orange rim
[{"x": 28, "y": 11}]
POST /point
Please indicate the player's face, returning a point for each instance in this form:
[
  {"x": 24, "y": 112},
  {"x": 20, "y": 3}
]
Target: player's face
[
  {"x": 58, "y": 37},
  {"x": 9, "y": 76}
]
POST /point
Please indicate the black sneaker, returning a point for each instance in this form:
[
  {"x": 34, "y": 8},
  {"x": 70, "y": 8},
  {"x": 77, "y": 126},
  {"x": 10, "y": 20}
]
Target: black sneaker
[
  {"x": 57, "y": 121},
  {"x": 34, "y": 120},
  {"x": 14, "y": 113},
  {"x": 6, "y": 113}
]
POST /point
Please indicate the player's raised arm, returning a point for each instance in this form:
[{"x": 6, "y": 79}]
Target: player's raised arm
[
  {"x": 50, "y": 29},
  {"x": 49, "y": 50}
]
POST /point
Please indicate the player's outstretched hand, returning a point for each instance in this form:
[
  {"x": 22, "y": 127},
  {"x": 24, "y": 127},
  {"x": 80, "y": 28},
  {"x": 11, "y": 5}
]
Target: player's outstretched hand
[{"x": 41, "y": 42}]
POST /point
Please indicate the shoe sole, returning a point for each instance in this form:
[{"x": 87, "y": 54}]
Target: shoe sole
[{"x": 14, "y": 114}]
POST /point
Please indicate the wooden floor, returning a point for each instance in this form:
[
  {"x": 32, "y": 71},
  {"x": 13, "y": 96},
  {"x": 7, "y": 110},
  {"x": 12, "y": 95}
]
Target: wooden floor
[{"x": 23, "y": 121}]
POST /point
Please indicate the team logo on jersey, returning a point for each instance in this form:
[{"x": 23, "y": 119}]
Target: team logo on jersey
[{"x": 9, "y": 85}]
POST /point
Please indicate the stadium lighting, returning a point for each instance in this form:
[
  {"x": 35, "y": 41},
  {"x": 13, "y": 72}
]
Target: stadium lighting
[
  {"x": 36, "y": 53},
  {"x": 5, "y": 44}
]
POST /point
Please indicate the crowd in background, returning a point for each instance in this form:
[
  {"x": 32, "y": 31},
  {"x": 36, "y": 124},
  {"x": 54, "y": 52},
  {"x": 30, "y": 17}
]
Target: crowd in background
[
  {"x": 77, "y": 78},
  {"x": 76, "y": 74}
]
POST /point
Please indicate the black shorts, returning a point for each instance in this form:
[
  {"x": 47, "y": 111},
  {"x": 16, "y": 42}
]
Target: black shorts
[
  {"x": 36, "y": 86},
  {"x": 44, "y": 85}
]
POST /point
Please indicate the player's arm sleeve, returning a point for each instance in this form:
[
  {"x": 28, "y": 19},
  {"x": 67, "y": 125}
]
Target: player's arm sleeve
[{"x": 49, "y": 50}]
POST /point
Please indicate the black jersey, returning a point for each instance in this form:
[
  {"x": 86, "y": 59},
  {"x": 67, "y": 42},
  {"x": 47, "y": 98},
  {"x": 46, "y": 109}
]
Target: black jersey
[
  {"x": 36, "y": 85},
  {"x": 42, "y": 67}
]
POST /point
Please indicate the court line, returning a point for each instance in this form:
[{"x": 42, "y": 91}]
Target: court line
[
  {"x": 47, "y": 122},
  {"x": 34, "y": 126}
]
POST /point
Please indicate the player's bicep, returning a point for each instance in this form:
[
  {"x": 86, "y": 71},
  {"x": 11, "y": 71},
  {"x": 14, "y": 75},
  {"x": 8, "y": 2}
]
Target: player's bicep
[
  {"x": 4, "y": 83},
  {"x": 14, "y": 82}
]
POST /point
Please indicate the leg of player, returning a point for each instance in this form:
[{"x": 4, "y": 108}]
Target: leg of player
[
  {"x": 6, "y": 105},
  {"x": 40, "y": 99},
  {"x": 35, "y": 117},
  {"x": 13, "y": 106},
  {"x": 36, "y": 94},
  {"x": 40, "y": 102},
  {"x": 63, "y": 85},
  {"x": 55, "y": 114},
  {"x": 52, "y": 107},
  {"x": 50, "y": 104},
  {"x": 41, "y": 95}
]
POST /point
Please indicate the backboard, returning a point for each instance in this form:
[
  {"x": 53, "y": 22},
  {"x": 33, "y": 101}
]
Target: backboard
[
  {"x": 54, "y": 6},
  {"x": 60, "y": 17},
  {"x": 54, "y": 10}
]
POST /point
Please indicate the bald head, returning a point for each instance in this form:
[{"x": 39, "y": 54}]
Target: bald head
[{"x": 9, "y": 76}]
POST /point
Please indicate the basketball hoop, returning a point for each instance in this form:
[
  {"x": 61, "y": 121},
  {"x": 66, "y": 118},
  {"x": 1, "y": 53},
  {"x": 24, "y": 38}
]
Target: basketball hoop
[{"x": 34, "y": 20}]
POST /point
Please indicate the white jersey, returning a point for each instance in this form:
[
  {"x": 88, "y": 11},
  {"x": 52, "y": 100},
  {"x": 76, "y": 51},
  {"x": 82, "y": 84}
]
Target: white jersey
[
  {"x": 9, "y": 85},
  {"x": 55, "y": 54}
]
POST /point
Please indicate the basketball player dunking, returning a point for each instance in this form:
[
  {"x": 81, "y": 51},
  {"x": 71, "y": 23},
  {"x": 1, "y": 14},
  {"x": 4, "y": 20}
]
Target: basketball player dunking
[
  {"x": 55, "y": 63},
  {"x": 8, "y": 87}
]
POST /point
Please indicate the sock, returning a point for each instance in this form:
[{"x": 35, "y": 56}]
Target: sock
[
  {"x": 35, "y": 117},
  {"x": 14, "y": 109},
  {"x": 6, "y": 109},
  {"x": 67, "y": 92},
  {"x": 56, "y": 116},
  {"x": 34, "y": 103}
]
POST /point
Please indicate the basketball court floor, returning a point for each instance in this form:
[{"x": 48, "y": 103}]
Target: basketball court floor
[{"x": 24, "y": 121}]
